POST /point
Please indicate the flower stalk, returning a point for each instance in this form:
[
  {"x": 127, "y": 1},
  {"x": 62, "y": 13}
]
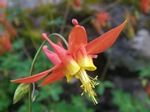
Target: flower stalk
[{"x": 30, "y": 94}]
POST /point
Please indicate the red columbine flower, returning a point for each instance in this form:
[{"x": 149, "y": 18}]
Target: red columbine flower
[
  {"x": 147, "y": 88},
  {"x": 96, "y": 25},
  {"x": 1, "y": 46},
  {"x": 5, "y": 44},
  {"x": 133, "y": 20},
  {"x": 144, "y": 5},
  {"x": 2, "y": 3},
  {"x": 130, "y": 25},
  {"x": 103, "y": 17},
  {"x": 77, "y": 3},
  {"x": 77, "y": 59},
  {"x": 8, "y": 26}
]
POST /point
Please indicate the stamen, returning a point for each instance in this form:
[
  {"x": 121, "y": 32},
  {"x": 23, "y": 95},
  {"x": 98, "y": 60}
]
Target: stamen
[
  {"x": 82, "y": 94},
  {"x": 87, "y": 84}
]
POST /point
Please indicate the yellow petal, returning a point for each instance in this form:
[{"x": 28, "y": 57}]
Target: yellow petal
[{"x": 84, "y": 61}]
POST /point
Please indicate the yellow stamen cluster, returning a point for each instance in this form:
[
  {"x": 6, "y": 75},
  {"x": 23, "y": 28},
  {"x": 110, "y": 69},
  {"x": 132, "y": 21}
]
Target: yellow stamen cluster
[{"x": 87, "y": 84}]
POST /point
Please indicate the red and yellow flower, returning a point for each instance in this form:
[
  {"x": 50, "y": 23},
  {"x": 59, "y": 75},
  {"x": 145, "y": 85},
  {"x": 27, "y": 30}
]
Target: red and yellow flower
[
  {"x": 130, "y": 29},
  {"x": 10, "y": 29},
  {"x": 2, "y": 3},
  {"x": 77, "y": 3},
  {"x": 97, "y": 25},
  {"x": 147, "y": 88},
  {"x": 5, "y": 44},
  {"x": 76, "y": 60},
  {"x": 102, "y": 17},
  {"x": 144, "y": 5},
  {"x": 101, "y": 21}
]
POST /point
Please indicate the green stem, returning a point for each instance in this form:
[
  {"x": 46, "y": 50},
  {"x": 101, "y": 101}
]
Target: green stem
[
  {"x": 106, "y": 66},
  {"x": 33, "y": 63},
  {"x": 31, "y": 70},
  {"x": 61, "y": 37}
]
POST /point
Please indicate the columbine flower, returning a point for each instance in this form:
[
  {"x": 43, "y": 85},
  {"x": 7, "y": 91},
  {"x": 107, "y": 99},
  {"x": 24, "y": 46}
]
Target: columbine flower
[
  {"x": 6, "y": 41},
  {"x": 2, "y": 4},
  {"x": 144, "y": 5},
  {"x": 147, "y": 88},
  {"x": 102, "y": 17},
  {"x": 5, "y": 44},
  {"x": 130, "y": 26},
  {"x": 77, "y": 59},
  {"x": 96, "y": 25},
  {"x": 8, "y": 26},
  {"x": 77, "y": 3}
]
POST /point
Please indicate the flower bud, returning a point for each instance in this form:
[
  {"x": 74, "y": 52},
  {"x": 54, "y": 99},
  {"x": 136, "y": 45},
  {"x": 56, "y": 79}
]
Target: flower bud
[{"x": 21, "y": 90}]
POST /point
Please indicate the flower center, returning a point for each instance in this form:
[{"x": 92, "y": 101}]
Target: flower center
[{"x": 87, "y": 84}]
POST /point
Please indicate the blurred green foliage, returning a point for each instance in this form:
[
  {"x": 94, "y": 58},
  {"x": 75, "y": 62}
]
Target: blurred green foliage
[
  {"x": 29, "y": 24},
  {"x": 103, "y": 85},
  {"x": 144, "y": 71},
  {"x": 128, "y": 103}
]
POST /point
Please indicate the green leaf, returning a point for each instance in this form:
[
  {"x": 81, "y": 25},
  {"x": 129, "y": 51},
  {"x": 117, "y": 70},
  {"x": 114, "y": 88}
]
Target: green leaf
[
  {"x": 21, "y": 90},
  {"x": 144, "y": 71},
  {"x": 36, "y": 93},
  {"x": 77, "y": 101},
  {"x": 4, "y": 100},
  {"x": 144, "y": 82},
  {"x": 52, "y": 91},
  {"x": 56, "y": 91},
  {"x": 57, "y": 21},
  {"x": 108, "y": 84},
  {"x": 101, "y": 89},
  {"x": 127, "y": 103},
  {"x": 17, "y": 44}
]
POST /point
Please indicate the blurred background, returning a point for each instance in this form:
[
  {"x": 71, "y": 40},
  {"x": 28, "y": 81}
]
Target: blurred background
[{"x": 123, "y": 70}]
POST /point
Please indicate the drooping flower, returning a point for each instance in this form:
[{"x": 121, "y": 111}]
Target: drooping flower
[
  {"x": 2, "y": 3},
  {"x": 144, "y": 5},
  {"x": 76, "y": 60},
  {"x": 96, "y": 25},
  {"x": 5, "y": 44},
  {"x": 1, "y": 47},
  {"x": 77, "y": 3},
  {"x": 133, "y": 20},
  {"x": 101, "y": 21},
  {"x": 102, "y": 17},
  {"x": 147, "y": 88},
  {"x": 8, "y": 26},
  {"x": 130, "y": 29}
]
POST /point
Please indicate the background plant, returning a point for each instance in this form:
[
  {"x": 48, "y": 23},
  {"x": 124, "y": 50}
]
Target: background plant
[{"x": 29, "y": 23}]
